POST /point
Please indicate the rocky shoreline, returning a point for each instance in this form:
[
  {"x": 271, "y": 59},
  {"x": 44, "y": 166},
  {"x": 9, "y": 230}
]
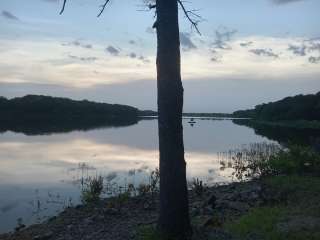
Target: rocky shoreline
[{"x": 107, "y": 220}]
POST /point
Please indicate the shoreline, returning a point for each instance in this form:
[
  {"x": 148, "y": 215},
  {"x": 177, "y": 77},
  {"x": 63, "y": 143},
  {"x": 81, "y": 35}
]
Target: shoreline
[
  {"x": 104, "y": 220},
  {"x": 283, "y": 207}
]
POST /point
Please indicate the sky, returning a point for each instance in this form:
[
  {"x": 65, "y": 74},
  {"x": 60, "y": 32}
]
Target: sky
[{"x": 249, "y": 52}]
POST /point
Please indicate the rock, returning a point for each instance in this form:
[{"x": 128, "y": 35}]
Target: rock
[
  {"x": 45, "y": 236},
  {"x": 217, "y": 233},
  {"x": 211, "y": 201},
  {"x": 251, "y": 194},
  {"x": 111, "y": 211},
  {"x": 235, "y": 205},
  {"x": 208, "y": 210},
  {"x": 52, "y": 219},
  {"x": 69, "y": 227},
  {"x": 299, "y": 223},
  {"x": 148, "y": 205},
  {"x": 18, "y": 228},
  {"x": 79, "y": 206},
  {"x": 239, "y": 206},
  {"x": 197, "y": 204},
  {"x": 194, "y": 211},
  {"x": 88, "y": 221},
  {"x": 100, "y": 218},
  {"x": 203, "y": 220}
]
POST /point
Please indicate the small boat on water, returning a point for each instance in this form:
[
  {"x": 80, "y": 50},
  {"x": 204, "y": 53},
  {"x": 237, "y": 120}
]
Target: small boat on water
[{"x": 191, "y": 121}]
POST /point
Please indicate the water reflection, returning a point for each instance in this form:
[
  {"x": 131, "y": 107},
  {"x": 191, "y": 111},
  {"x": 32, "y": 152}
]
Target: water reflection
[
  {"x": 284, "y": 135},
  {"x": 42, "y": 128},
  {"x": 42, "y": 174}
]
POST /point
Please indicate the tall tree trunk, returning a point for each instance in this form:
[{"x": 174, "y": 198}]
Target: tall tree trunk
[{"x": 174, "y": 214}]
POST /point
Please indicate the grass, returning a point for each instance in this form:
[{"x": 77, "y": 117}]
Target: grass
[
  {"x": 260, "y": 222},
  {"x": 91, "y": 193},
  {"x": 296, "y": 183},
  {"x": 148, "y": 233},
  {"x": 263, "y": 224},
  {"x": 301, "y": 202},
  {"x": 296, "y": 160},
  {"x": 264, "y": 159}
]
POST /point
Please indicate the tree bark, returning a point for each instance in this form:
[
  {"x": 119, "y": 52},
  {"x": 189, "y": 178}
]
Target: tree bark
[{"x": 174, "y": 214}]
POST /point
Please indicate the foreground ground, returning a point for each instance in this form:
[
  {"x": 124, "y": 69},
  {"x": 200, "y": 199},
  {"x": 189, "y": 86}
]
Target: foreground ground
[{"x": 281, "y": 207}]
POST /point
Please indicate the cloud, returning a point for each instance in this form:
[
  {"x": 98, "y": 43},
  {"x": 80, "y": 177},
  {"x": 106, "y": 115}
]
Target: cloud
[
  {"x": 132, "y": 42},
  {"x": 305, "y": 47},
  {"x": 9, "y": 15},
  {"x": 314, "y": 45},
  {"x": 282, "y": 2},
  {"x": 20, "y": 62},
  {"x": 246, "y": 44},
  {"x": 298, "y": 50},
  {"x": 132, "y": 55},
  {"x": 264, "y": 52},
  {"x": 112, "y": 50},
  {"x": 84, "y": 59},
  {"x": 222, "y": 37},
  {"x": 87, "y": 46},
  {"x": 77, "y": 43},
  {"x": 214, "y": 59},
  {"x": 144, "y": 59},
  {"x": 314, "y": 60},
  {"x": 186, "y": 41}
]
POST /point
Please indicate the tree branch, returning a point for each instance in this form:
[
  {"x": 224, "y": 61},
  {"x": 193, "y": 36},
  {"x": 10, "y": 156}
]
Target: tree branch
[
  {"x": 63, "y": 6},
  {"x": 103, "y": 7},
  {"x": 187, "y": 13}
]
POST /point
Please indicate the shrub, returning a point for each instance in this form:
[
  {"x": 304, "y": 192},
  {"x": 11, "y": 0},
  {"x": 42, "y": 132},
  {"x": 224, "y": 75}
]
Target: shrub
[
  {"x": 198, "y": 187},
  {"x": 269, "y": 159},
  {"x": 91, "y": 193},
  {"x": 296, "y": 160}
]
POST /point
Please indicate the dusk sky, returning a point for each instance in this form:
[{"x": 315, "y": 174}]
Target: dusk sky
[{"x": 250, "y": 52}]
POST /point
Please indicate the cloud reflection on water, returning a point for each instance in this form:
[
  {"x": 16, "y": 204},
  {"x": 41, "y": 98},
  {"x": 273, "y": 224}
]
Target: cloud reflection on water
[{"x": 43, "y": 163}]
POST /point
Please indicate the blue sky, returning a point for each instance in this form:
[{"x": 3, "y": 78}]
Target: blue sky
[{"x": 249, "y": 52}]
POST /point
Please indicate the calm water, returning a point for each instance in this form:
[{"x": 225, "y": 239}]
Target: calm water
[{"x": 41, "y": 174}]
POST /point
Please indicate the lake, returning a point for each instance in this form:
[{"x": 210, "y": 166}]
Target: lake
[{"x": 42, "y": 174}]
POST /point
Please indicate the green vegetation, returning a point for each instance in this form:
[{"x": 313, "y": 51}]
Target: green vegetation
[
  {"x": 250, "y": 161},
  {"x": 93, "y": 187},
  {"x": 198, "y": 187},
  {"x": 295, "y": 160},
  {"x": 300, "y": 107},
  {"x": 290, "y": 177},
  {"x": 36, "y": 114},
  {"x": 262, "y": 159},
  {"x": 301, "y": 111},
  {"x": 92, "y": 190},
  {"x": 148, "y": 233},
  {"x": 296, "y": 215},
  {"x": 37, "y": 108}
]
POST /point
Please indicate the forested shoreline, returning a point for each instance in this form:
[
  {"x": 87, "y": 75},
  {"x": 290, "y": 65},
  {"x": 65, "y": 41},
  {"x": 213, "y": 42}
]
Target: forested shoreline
[
  {"x": 299, "y": 107},
  {"x": 39, "y": 108}
]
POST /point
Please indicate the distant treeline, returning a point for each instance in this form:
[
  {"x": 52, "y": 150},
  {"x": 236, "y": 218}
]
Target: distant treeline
[
  {"x": 300, "y": 107},
  {"x": 33, "y": 109},
  {"x": 204, "y": 115}
]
